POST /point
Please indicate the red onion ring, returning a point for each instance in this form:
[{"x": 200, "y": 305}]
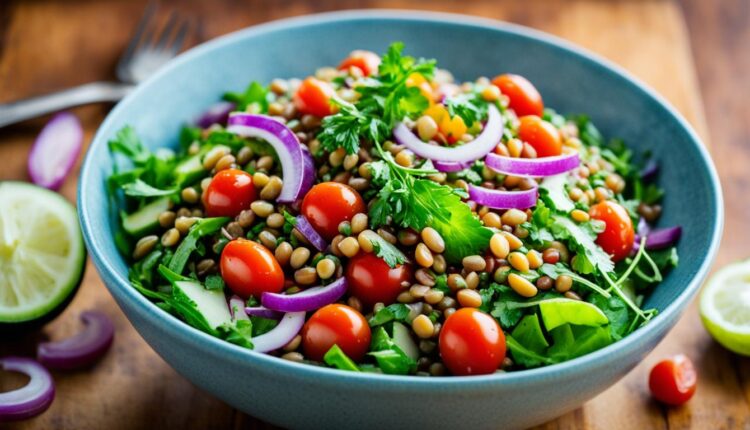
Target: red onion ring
[
  {"x": 659, "y": 239},
  {"x": 291, "y": 323},
  {"x": 470, "y": 151},
  {"x": 308, "y": 300},
  {"x": 308, "y": 231},
  {"x": 535, "y": 167},
  {"x": 263, "y": 312},
  {"x": 497, "y": 199},
  {"x": 216, "y": 114},
  {"x": 30, "y": 400},
  {"x": 237, "y": 308},
  {"x": 295, "y": 169},
  {"x": 55, "y": 151},
  {"x": 451, "y": 166},
  {"x": 81, "y": 350}
]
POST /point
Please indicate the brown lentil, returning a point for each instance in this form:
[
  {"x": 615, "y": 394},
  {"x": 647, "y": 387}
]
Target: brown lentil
[
  {"x": 404, "y": 158},
  {"x": 446, "y": 302},
  {"x": 535, "y": 259},
  {"x": 427, "y": 346},
  {"x": 283, "y": 253},
  {"x": 358, "y": 223},
  {"x": 418, "y": 291},
  {"x": 551, "y": 256},
  {"x": 472, "y": 280},
  {"x": 499, "y": 245},
  {"x": 265, "y": 163},
  {"x": 456, "y": 282},
  {"x": 364, "y": 170},
  {"x": 423, "y": 255},
  {"x": 518, "y": 261},
  {"x": 183, "y": 224},
  {"x": 267, "y": 239},
  {"x": 365, "y": 239},
  {"x": 439, "y": 266},
  {"x": 244, "y": 155},
  {"x": 166, "y": 219},
  {"x": 387, "y": 235},
  {"x": 408, "y": 237},
  {"x": 579, "y": 215},
  {"x": 492, "y": 220},
  {"x": 144, "y": 246},
  {"x": 170, "y": 238},
  {"x": 527, "y": 184},
  {"x": 342, "y": 177},
  {"x": 436, "y": 329},
  {"x": 196, "y": 213},
  {"x": 354, "y": 303},
  {"x": 515, "y": 147},
  {"x": 183, "y": 212},
  {"x": 349, "y": 247},
  {"x": 490, "y": 93},
  {"x": 293, "y": 356},
  {"x": 279, "y": 86},
  {"x": 528, "y": 151},
  {"x": 306, "y": 276},
  {"x": 326, "y": 268},
  {"x": 405, "y": 297},
  {"x": 469, "y": 298},
  {"x": 205, "y": 183},
  {"x": 474, "y": 263},
  {"x": 261, "y": 208},
  {"x": 275, "y": 220},
  {"x": 545, "y": 283},
  {"x": 235, "y": 230},
  {"x": 575, "y": 194},
  {"x": 561, "y": 249},
  {"x": 520, "y": 232},
  {"x": 513, "y": 242},
  {"x": 438, "y": 369},
  {"x": 359, "y": 184},
  {"x": 433, "y": 296},
  {"x": 601, "y": 194},
  {"x": 335, "y": 244},
  {"x": 572, "y": 295},
  {"x": 521, "y": 285},
  {"x": 563, "y": 283},
  {"x": 423, "y": 327},
  {"x": 260, "y": 179},
  {"x": 448, "y": 312},
  {"x": 246, "y": 218},
  {"x": 213, "y": 156},
  {"x": 225, "y": 162},
  {"x": 433, "y": 240},
  {"x": 299, "y": 257},
  {"x": 272, "y": 189},
  {"x": 205, "y": 266},
  {"x": 424, "y": 277},
  {"x": 189, "y": 195},
  {"x": 293, "y": 344},
  {"x": 336, "y": 158}
]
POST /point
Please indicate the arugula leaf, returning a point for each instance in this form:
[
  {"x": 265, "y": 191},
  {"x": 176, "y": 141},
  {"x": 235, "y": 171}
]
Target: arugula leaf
[
  {"x": 581, "y": 239},
  {"x": 255, "y": 94},
  {"x": 390, "y": 358},
  {"x": 335, "y": 357},
  {"x": 620, "y": 317},
  {"x": 393, "y": 312},
  {"x": 202, "y": 227},
  {"x": 529, "y": 333}
]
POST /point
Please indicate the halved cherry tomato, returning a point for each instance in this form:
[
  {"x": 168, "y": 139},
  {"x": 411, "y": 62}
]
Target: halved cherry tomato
[
  {"x": 250, "y": 269},
  {"x": 365, "y": 61},
  {"x": 673, "y": 381},
  {"x": 230, "y": 192},
  {"x": 336, "y": 324},
  {"x": 314, "y": 97},
  {"x": 371, "y": 280},
  {"x": 471, "y": 343},
  {"x": 618, "y": 236},
  {"x": 540, "y": 134},
  {"x": 327, "y": 204},
  {"x": 524, "y": 98}
]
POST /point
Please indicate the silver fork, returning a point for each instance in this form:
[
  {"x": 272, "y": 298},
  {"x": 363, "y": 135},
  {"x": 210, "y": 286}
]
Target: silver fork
[{"x": 148, "y": 50}]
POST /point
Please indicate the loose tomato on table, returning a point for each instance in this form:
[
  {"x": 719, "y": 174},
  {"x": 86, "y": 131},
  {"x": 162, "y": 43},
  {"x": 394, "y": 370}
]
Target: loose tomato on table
[
  {"x": 336, "y": 324},
  {"x": 541, "y": 135},
  {"x": 250, "y": 269},
  {"x": 371, "y": 280},
  {"x": 327, "y": 204},
  {"x": 618, "y": 235},
  {"x": 366, "y": 61},
  {"x": 523, "y": 97},
  {"x": 314, "y": 97},
  {"x": 673, "y": 381},
  {"x": 471, "y": 343},
  {"x": 230, "y": 192}
]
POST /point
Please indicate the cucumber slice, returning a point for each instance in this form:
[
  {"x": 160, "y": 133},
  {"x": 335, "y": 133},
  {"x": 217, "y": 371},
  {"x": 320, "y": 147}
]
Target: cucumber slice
[
  {"x": 146, "y": 218},
  {"x": 211, "y": 304},
  {"x": 403, "y": 340},
  {"x": 42, "y": 256}
]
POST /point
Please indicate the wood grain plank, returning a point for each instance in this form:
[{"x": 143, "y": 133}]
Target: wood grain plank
[{"x": 40, "y": 53}]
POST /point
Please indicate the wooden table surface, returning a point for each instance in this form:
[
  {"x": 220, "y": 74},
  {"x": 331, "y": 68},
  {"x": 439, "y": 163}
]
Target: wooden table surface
[{"x": 687, "y": 51}]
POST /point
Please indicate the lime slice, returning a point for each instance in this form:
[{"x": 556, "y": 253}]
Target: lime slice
[
  {"x": 725, "y": 307},
  {"x": 42, "y": 256}
]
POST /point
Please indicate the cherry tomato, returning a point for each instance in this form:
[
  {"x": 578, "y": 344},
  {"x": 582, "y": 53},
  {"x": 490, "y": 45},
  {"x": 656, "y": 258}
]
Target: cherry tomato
[
  {"x": 365, "y": 61},
  {"x": 371, "y": 280},
  {"x": 540, "y": 134},
  {"x": 314, "y": 97},
  {"x": 524, "y": 98},
  {"x": 471, "y": 343},
  {"x": 673, "y": 381},
  {"x": 327, "y": 204},
  {"x": 230, "y": 192},
  {"x": 618, "y": 236},
  {"x": 250, "y": 269},
  {"x": 336, "y": 324}
]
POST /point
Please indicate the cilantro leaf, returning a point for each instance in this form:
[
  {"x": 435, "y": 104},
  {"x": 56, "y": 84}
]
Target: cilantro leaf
[
  {"x": 581, "y": 238},
  {"x": 393, "y": 312},
  {"x": 471, "y": 107},
  {"x": 255, "y": 94},
  {"x": 385, "y": 250},
  {"x": 202, "y": 227}
]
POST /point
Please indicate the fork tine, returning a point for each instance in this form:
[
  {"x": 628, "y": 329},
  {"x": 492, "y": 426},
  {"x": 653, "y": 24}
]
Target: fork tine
[
  {"x": 138, "y": 34},
  {"x": 179, "y": 38},
  {"x": 167, "y": 31}
]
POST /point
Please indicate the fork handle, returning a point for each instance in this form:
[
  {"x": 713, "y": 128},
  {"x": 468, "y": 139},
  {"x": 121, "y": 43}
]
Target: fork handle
[{"x": 33, "y": 107}]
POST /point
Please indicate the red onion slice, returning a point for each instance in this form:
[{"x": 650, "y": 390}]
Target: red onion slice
[
  {"x": 497, "y": 199},
  {"x": 535, "y": 167},
  {"x": 451, "y": 166},
  {"x": 216, "y": 114},
  {"x": 30, "y": 400},
  {"x": 468, "y": 152},
  {"x": 308, "y": 300},
  {"x": 237, "y": 308},
  {"x": 312, "y": 236},
  {"x": 263, "y": 312},
  {"x": 650, "y": 171},
  {"x": 659, "y": 239},
  {"x": 289, "y": 326},
  {"x": 55, "y": 151},
  {"x": 81, "y": 350},
  {"x": 643, "y": 228},
  {"x": 296, "y": 170}
]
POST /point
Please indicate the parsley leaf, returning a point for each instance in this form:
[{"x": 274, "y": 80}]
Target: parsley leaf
[
  {"x": 385, "y": 250},
  {"x": 581, "y": 239},
  {"x": 471, "y": 107},
  {"x": 255, "y": 94},
  {"x": 393, "y": 312}
]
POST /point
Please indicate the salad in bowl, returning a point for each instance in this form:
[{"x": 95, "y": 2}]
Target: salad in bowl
[{"x": 379, "y": 216}]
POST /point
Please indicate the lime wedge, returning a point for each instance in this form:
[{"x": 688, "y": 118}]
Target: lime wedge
[
  {"x": 725, "y": 307},
  {"x": 42, "y": 256}
]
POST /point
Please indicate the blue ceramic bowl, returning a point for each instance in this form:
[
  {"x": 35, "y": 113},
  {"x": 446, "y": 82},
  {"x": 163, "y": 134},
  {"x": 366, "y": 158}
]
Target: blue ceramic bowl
[{"x": 302, "y": 396}]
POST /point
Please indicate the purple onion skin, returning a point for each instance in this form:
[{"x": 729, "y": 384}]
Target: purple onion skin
[
  {"x": 25, "y": 404},
  {"x": 83, "y": 349},
  {"x": 216, "y": 114},
  {"x": 650, "y": 171},
  {"x": 49, "y": 140}
]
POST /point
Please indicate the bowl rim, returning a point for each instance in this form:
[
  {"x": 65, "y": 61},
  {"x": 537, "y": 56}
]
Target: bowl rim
[{"x": 119, "y": 285}]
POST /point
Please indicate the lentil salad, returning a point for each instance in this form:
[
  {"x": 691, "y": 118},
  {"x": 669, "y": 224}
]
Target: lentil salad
[{"x": 381, "y": 217}]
